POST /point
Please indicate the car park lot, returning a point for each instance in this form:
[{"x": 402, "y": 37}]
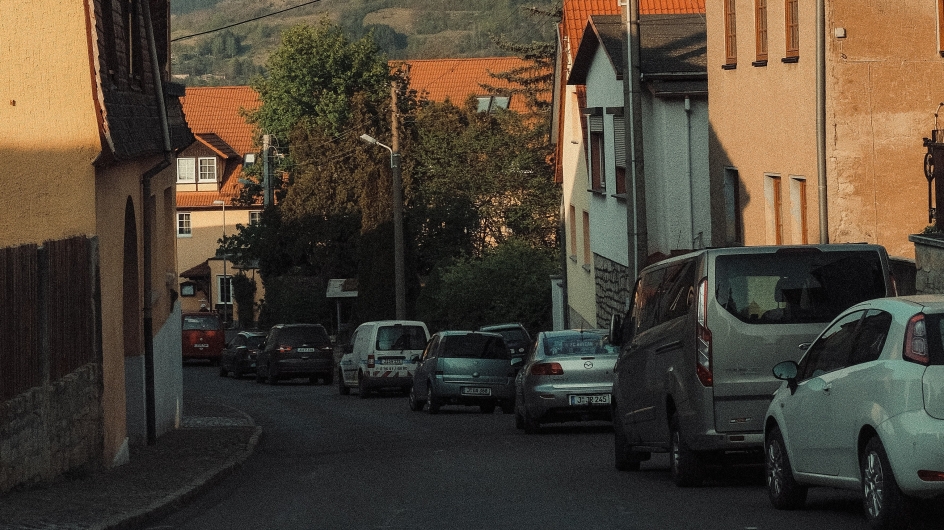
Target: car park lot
[{"x": 328, "y": 461}]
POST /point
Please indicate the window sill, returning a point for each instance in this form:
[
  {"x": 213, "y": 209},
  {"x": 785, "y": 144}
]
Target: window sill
[
  {"x": 729, "y": 66},
  {"x": 759, "y": 63},
  {"x": 573, "y": 257},
  {"x": 184, "y": 235},
  {"x": 619, "y": 196},
  {"x": 597, "y": 192},
  {"x": 789, "y": 60},
  {"x": 586, "y": 267}
]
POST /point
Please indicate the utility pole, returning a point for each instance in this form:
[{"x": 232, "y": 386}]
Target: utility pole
[{"x": 397, "y": 198}]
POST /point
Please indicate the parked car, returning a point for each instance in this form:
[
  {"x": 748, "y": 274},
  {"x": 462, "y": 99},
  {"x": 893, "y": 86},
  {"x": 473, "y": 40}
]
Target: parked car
[
  {"x": 296, "y": 350},
  {"x": 470, "y": 368},
  {"x": 693, "y": 375},
  {"x": 516, "y": 337},
  {"x": 239, "y": 356},
  {"x": 381, "y": 355},
  {"x": 567, "y": 376},
  {"x": 202, "y": 336},
  {"x": 863, "y": 409}
]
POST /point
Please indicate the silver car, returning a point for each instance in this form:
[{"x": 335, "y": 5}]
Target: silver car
[
  {"x": 567, "y": 376},
  {"x": 469, "y": 368}
]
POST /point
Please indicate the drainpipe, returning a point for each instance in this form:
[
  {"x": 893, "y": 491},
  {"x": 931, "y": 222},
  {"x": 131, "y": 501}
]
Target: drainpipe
[
  {"x": 633, "y": 118},
  {"x": 147, "y": 229},
  {"x": 688, "y": 168},
  {"x": 821, "y": 119}
]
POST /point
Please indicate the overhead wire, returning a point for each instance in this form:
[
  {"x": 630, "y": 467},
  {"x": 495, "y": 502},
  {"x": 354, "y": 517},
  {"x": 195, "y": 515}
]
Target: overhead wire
[{"x": 245, "y": 21}]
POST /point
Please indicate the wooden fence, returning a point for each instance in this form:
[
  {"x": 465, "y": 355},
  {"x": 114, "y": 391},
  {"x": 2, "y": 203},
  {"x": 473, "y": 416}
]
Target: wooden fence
[{"x": 50, "y": 302}]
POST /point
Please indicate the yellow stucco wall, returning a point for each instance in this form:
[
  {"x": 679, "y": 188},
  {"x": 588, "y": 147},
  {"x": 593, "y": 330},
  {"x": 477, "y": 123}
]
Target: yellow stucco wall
[{"x": 48, "y": 132}]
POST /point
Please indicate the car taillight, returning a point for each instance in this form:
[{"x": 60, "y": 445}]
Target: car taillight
[
  {"x": 370, "y": 361},
  {"x": 547, "y": 369},
  {"x": 703, "y": 338},
  {"x": 931, "y": 476},
  {"x": 916, "y": 341},
  {"x": 285, "y": 348}
]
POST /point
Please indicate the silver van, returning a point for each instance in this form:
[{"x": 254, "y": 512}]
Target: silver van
[{"x": 693, "y": 377}]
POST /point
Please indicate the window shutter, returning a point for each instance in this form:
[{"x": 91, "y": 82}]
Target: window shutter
[
  {"x": 619, "y": 140},
  {"x": 596, "y": 123}
]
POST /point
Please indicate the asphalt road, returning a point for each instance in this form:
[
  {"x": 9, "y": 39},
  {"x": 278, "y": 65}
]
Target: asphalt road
[{"x": 331, "y": 461}]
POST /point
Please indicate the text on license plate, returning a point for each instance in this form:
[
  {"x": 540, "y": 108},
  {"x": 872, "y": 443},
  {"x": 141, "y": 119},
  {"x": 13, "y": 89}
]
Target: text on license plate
[
  {"x": 389, "y": 361},
  {"x": 593, "y": 399},
  {"x": 476, "y": 391},
  {"x": 306, "y": 350}
]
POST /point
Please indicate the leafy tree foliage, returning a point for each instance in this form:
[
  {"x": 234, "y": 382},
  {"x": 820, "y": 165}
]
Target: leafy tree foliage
[{"x": 509, "y": 283}]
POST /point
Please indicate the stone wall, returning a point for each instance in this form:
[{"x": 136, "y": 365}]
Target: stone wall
[
  {"x": 52, "y": 429},
  {"x": 614, "y": 286},
  {"x": 929, "y": 262}
]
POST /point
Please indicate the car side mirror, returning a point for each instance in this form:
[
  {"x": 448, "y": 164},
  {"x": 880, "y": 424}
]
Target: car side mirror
[
  {"x": 615, "y": 333},
  {"x": 787, "y": 371}
]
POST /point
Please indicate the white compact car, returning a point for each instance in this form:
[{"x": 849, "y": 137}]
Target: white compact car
[{"x": 864, "y": 409}]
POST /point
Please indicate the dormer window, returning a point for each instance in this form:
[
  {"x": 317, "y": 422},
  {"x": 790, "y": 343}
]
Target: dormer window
[
  {"x": 207, "y": 169},
  {"x": 186, "y": 170},
  {"x": 491, "y": 103}
]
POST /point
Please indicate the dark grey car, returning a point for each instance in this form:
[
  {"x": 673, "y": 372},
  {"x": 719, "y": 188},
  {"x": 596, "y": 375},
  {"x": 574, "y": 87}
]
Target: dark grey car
[
  {"x": 516, "y": 337},
  {"x": 239, "y": 355},
  {"x": 296, "y": 350},
  {"x": 468, "y": 368}
]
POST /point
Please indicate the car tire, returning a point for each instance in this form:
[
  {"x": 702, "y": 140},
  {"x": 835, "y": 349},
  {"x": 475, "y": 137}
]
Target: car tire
[
  {"x": 343, "y": 389},
  {"x": 488, "y": 408},
  {"x": 416, "y": 405},
  {"x": 686, "y": 466},
  {"x": 624, "y": 459},
  {"x": 362, "y": 387},
  {"x": 223, "y": 371},
  {"x": 531, "y": 425},
  {"x": 328, "y": 378},
  {"x": 782, "y": 488},
  {"x": 884, "y": 504},
  {"x": 432, "y": 406},
  {"x": 272, "y": 379}
]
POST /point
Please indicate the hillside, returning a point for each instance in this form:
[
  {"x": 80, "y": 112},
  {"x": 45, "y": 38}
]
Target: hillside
[{"x": 404, "y": 29}]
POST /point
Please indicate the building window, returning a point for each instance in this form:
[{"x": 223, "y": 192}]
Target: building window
[
  {"x": 186, "y": 170},
  {"x": 492, "y": 103},
  {"x": 224, "y": 289},
  {"x": 595, "y": 153},
  {"x": 208, "y": 170},
  {"x": 792, "y": 9},
  {"x": 587, "y": 260},
  {"x": 183, "y": 224},
  {"x": 760, "y": 28},
  {"x": 798, "y": 209},
  {"x": 732, "y": 207},
  {"x": 255, "y": 217},
  {"x": 730, "y": 34},
  {"x": 572, "y": 229},
  {"x": 773, "y": 191},
  {"x": 188, "y": 289}
]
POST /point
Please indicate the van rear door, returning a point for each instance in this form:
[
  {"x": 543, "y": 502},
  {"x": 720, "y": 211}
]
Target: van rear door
[{"x": 765, "y": 304}]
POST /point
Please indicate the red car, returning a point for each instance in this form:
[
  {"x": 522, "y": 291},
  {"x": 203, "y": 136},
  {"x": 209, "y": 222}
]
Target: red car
[{"x": 202, "y": 336}]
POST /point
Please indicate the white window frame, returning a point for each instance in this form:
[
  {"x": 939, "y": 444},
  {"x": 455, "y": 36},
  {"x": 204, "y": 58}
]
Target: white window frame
[
  {"x": 205, "y": 176},
  {"x": 255, "y": 217},
  {"x": 220, "y": 279},
  {"x": 184, "y": 225},
  {"x": 185, "y": 174}
]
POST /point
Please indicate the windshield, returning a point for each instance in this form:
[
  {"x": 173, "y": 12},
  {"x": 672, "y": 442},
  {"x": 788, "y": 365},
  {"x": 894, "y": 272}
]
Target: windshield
[
  {"x": 399, "y": 337},
  {"x": 205, "y": 322},
  {"x": 796, "y": 287}
]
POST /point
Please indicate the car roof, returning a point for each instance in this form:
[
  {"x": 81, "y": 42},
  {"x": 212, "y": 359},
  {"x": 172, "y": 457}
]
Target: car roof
[
  {"x": 450, "y": 332},
  {"x": 929, "y": 303},
  {"x": 566, "y": 332},
  {"x": 496, "y": 327}
]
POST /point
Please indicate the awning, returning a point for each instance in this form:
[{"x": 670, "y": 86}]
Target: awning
[{"x": 197, "y": 272}]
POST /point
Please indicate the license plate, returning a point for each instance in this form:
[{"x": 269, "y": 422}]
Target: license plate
[
  {"x": 594, "y": 399},
  {"x": 306, "y": 350},
  {"x": 389, "y": 361},
  {"x": 476, "y": 391},
  {"x": 201, "y": 346}
]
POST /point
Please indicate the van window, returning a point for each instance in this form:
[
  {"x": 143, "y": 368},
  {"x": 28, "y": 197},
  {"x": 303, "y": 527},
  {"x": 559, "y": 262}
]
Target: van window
[
  {"x": 400, "y": 337},
  {"x": 645, "y": 306},
  {"x": 664, "y": 294},
  {"x": 796, "y": 287},
  {"x": 205, "y": 322}
]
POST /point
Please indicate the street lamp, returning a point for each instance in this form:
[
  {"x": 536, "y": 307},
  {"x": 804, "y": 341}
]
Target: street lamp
[
  {"x": 397, "y": 194},
  {"x": 225, "y": 277}
]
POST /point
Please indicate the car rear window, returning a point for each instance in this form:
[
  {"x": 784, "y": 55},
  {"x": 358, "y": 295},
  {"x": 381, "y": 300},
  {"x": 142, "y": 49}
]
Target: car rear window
[
  {"x": 399, "y": 337},
  {"x": 796, "y": 287},
  {"x": 304, "y": 335},
  {"x": 255, "y": 341},
  {"x": 514, "y": 335},
  {"x": 205, "y": 322},
  {"x": 474, "y": 346},
  {"x": 584, "y": 344}
]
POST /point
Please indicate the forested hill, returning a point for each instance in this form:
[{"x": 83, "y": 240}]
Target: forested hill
[{"x": 404, "y": 29}]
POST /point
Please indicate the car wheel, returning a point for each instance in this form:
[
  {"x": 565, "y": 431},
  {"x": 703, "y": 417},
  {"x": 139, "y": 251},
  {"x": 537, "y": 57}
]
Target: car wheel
[
  {"x": 885, "y": 505},
  {"x": 531, "y": 425},
  {"x": 259, "y": 378},
  {"x": 362, "y": 387},
  {"x": 328, "y": 378},
  {"x": 508, "y": 407},
  {"x": 432, "y": 406},
  {"x": 343, "y": 389},
  {"x": 223, "y": 371},
  {"x": 487, "y": 409},
  {"x": 685, "y": 464},
  {"x": 416, "y": 405},
  {"x": 623, "y": 457},
  {"x": 273, "y": 379},
  {"x": 782, "y": 488}
]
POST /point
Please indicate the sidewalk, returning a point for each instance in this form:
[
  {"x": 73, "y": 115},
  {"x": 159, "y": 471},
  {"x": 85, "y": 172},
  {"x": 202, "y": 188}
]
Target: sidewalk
[{"x": 213, "y": 440}]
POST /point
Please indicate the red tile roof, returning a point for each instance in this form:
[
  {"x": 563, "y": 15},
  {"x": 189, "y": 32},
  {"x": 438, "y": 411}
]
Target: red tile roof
[
  {"x": 456, "y": 79},
  {"x": 215, "y": 117}
]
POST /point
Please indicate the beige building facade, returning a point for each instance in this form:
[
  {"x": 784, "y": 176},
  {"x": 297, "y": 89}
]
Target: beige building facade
[{"x": 855, "y": 175}]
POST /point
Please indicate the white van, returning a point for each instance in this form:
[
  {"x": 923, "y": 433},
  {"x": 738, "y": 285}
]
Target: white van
[
  {"x": 380, "y": 355},
  {"x": 693, "y": 377}
]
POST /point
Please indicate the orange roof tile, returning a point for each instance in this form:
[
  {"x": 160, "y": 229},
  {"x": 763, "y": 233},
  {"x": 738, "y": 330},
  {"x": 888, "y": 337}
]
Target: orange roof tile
[
  {"x": 215, "y": 117},
  {"x": 456, "y": 79}
]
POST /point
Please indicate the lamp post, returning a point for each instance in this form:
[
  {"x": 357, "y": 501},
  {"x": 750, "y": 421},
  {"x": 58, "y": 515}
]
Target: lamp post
[
  {"x": 397, "y": 194},
  {"x": 225, "y": 277}
]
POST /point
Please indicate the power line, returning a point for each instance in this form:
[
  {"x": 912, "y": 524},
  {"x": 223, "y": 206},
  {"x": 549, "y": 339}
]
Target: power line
[{"x": 244, "y": 21}]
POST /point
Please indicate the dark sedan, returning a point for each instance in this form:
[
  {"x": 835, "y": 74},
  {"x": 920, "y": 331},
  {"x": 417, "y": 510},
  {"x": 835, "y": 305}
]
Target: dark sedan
[{"x": 239, "y": 356}]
